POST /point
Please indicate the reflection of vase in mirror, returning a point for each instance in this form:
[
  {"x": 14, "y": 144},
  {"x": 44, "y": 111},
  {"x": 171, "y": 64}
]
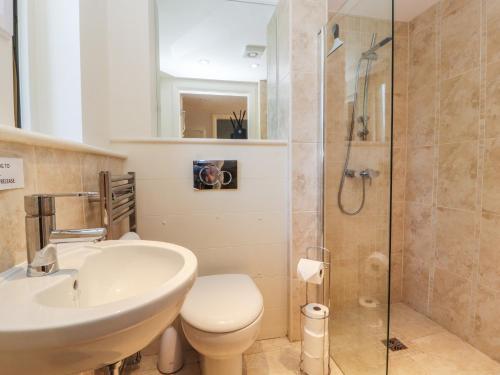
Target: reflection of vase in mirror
[{"x": 239, "y": 134}]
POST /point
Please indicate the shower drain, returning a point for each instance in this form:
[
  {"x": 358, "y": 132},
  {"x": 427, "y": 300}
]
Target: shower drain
[{"x": 394, "y": 344}]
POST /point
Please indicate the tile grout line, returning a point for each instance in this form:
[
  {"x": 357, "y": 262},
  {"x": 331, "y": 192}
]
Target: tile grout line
[
  {"x": 481, "y": 154},
  {"x": 405, "y": 176},
  {"x": 435, "y": 182}
]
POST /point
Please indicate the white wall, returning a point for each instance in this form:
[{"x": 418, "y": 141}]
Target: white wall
[
  {"x": 132, "y": 68},
  {"x": 94, "y": 71},
  {"x": 6, "y": 17},
  {"x": 51, "y": 48},
  {"x": 6, "y": 81},
  {"x": 169, "y": 126},
  {"x": 88, "y": 68},
  {"x": 230, "y": 231}
]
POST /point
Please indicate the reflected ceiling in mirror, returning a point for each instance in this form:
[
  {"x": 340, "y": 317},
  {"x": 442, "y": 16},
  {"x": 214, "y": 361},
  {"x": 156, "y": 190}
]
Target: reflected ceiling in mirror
[{"x": 214, "y": 39}]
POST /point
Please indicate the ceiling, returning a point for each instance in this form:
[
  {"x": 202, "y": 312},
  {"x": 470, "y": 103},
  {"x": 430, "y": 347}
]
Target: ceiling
[
  {"x": 405, "y": 10},
  {"x": 207, "y": 38}
]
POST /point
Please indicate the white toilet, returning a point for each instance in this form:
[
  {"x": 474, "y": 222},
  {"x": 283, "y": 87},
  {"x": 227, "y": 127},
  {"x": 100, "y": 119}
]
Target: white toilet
[{"x": 221, "y": 319}]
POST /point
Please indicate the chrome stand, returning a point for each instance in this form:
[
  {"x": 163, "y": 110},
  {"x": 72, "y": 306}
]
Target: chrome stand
[{"x": 323, "y": 255}]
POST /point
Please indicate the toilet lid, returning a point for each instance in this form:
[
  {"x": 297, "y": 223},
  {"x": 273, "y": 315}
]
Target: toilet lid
[{"x": 222, "y": 303}]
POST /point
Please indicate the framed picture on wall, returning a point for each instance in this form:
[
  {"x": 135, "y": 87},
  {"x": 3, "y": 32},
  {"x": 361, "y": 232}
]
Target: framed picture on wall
[{"x": 6, "y": 18}]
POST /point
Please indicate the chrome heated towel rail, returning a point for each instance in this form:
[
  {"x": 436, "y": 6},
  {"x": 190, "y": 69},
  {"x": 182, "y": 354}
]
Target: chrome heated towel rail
[{"x": 117, "y": 201}]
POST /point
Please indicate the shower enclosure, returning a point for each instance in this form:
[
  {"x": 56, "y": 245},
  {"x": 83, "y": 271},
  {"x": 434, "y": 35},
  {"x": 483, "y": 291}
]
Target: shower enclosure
[{"x": 357, "y": 135}]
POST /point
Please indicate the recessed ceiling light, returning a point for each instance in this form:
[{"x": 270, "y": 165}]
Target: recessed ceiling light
[
  {"x": 254, "y": 52},
  {"x": 204, "y": 62},
  {"x": 254, "y": 66}
]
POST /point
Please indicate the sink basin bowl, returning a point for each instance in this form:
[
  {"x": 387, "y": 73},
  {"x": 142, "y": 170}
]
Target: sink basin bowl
[{"x": 108, "y": 301}]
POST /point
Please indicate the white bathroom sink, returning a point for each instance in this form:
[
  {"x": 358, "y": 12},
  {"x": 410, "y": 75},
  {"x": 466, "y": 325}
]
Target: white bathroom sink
[{"x": 108, "y": 301}]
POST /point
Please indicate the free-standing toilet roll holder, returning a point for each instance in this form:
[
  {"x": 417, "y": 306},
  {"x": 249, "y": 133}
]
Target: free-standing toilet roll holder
[{"x": 321, "y": 254}]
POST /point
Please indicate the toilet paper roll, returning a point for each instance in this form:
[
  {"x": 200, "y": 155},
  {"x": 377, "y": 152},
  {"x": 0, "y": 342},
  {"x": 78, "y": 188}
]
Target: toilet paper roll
[
  {"x": 376, "y": 264},
  {"x": 314, "y": 366},
  {"x": 130, "y": 236},
  {"x": 315, "y": 345},
  {"x": 311, "y": 271},
  {"x": 316, "y": 318}
]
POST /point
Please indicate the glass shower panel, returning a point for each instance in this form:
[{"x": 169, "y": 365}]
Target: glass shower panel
[{"x": 357, "y": 181}]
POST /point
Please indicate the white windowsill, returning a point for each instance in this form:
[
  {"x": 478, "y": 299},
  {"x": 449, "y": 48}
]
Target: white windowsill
[{"x": 12, "y": 134}]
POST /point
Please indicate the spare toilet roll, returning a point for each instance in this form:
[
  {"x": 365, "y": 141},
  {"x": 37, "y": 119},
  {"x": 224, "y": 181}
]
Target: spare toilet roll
[
  {"x": 130, "y": 236},
  {"x": 311, "y": 271},
  {"x": 316, "y": 318},
  {"x": 376, "y": 264},
  {"x": 315, "y": 366},
  {"x": 316, "y": 345}
]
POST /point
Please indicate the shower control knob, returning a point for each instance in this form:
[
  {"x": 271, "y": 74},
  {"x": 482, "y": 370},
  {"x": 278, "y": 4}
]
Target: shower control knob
[
  {"x": 369, "y": 173},
  {"x": 350, "y": 173}
]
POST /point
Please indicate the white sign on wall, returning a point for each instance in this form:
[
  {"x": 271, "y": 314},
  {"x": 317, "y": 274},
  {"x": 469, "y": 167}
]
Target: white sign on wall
[
  {"x": 11, "y": 173},
  {"x": 6, "y": 18}
]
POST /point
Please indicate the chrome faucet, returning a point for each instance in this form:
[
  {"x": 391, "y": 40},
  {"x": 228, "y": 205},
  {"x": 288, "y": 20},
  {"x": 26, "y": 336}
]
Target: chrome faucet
[{"x": 42, "y": 235}]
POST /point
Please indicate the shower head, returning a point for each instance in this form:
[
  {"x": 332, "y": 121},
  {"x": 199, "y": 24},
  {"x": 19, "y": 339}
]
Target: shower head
[
  {"x": 337, "y": 42},
  {"x": 371, "y": 53}
]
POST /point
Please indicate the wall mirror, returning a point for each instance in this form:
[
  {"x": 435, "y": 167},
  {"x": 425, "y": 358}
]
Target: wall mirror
[
  {"x": 94, "y": 70},
  {"x": 213, "y": 58}
]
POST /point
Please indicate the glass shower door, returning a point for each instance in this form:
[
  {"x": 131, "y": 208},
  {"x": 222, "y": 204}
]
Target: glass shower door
[{"x": 357, "y": 140}]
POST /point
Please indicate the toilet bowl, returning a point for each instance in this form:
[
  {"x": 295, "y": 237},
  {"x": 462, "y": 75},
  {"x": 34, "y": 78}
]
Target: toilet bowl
[{"x": 221, "y": 318}]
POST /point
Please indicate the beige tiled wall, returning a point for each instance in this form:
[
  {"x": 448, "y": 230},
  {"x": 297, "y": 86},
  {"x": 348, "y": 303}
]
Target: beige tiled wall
[
  {"x": 400, "y": 125},
  {"x": 305, "y": 20},
  {"x": 452, "y": 195},
  {"x": 49, "y": 170},
  {"x": 298, "y": 23},
  {"x": 353, "y": 239}
]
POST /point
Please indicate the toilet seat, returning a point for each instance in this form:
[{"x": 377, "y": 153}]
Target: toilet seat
[
  {"x": 221, "y": 318},
  {"x": 222, "y": 303}
]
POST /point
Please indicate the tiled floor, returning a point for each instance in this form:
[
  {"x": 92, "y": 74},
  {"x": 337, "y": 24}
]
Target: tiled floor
[
  {"x": 267, "y": 357},
  {"x": 431, "y": 351}
]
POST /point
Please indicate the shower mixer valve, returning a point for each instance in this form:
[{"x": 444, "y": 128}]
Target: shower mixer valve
[
  {"x": 365, "y": 173},
  {"x": 350, "y": 173},
  {"x": 369, "y": 173}
]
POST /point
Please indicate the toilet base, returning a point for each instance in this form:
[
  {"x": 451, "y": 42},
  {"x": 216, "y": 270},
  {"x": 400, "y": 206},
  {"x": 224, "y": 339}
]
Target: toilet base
[{"x": 223, "y": 366}]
